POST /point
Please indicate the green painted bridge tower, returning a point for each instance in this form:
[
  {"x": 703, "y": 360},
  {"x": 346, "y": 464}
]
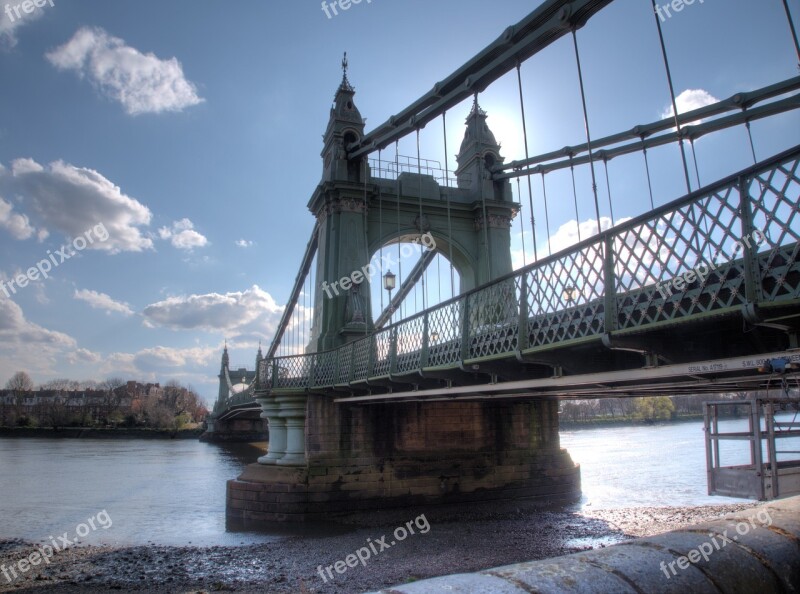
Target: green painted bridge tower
[
  {"x": 470, "y": 223},
  {"x": 325, "y": 456}
]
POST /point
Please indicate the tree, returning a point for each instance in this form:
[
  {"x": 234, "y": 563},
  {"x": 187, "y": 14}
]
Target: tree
[
  {"x": 54, "y": 412},
  {"x": 20, "y": 382},
  {"x": 61, "y": 384},
  {"x": 657, "y": 408},
  {"x": 19, "y": 385},
  {"x": 112, "y": 397}
]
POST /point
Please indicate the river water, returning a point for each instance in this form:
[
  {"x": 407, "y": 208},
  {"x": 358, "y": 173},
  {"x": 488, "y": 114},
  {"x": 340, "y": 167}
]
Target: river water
[{"x": 173, "y": 492}]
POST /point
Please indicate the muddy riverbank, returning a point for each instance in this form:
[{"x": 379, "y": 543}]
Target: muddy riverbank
[{"x": 457, "y": 540}]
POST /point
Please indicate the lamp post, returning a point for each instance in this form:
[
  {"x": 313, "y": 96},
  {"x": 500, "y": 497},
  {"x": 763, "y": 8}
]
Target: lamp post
[
  {"x": 389, "y": 283},
  {"x": 570, "y": 293}
]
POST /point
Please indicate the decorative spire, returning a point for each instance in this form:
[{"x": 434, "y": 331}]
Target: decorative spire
[
  {"x": 345, "y": 86},
  {"x": 476, "y": 109}
]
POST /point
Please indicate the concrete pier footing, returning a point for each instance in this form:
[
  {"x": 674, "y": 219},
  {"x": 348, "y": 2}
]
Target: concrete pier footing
[
  {"x": 755, "y": 550},
  {"x": 389, "y": 456}
]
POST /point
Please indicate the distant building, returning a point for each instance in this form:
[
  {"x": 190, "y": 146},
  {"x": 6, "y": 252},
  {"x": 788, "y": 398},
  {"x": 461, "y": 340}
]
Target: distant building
[{"x": 95, "y": 403}]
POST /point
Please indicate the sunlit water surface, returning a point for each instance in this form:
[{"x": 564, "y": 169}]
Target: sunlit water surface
[
  {"x": 173, "y": 491},
  {"x": 654, "y": 465}
]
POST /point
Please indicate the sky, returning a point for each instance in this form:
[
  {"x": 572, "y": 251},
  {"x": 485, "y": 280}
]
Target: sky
[{"x": 175, "y": 144}]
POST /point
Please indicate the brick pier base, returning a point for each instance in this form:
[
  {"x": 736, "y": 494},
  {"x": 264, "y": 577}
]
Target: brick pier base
[{"x": 397, "y": 455}]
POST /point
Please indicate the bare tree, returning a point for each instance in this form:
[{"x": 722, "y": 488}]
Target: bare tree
[
  {"x": 54, "y": 412},
  {"x": 20, "y": 382},
  {"x": 112, "y": 396},
  {"x": 61, "y": 384},
  {"x": 19, "y": 385}
]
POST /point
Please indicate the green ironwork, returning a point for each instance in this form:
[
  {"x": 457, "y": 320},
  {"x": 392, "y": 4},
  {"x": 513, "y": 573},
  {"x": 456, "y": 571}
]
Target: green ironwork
[{"x": 612, "y": 281}]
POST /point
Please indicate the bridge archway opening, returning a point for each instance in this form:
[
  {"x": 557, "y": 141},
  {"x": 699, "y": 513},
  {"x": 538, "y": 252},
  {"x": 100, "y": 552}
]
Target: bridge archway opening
[{"x": 428, "y": 270}]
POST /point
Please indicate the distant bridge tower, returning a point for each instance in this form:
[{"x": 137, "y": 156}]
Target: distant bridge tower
[{"x": 236, "y": 386}]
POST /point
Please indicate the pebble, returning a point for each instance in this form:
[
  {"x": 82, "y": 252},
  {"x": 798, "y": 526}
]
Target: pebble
[{"x": 460, "y": 540}]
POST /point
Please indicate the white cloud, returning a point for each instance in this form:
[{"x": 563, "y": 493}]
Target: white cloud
[
  {"x": 567, "y": 234},
  {"x": 244, "y": 243},
  {"x": 689, "y": 100},
  {"x": 18, "y": 225},
  {"x": 166, "y": 359},
  {"x": 71, "y": 200},
  {"x": 196, "y": 365},
  {"x": 10, "y": 21},
  {"x": 142, "y": 83},
  {"x": 102, "y": 301},
  {"x": 44, "y": 354},
  {"x": 182, "y": 235},
  {"x": 84, "y": 356},
  {"x": 251, "y": 310},
  {"x": 28, "y": 346}
]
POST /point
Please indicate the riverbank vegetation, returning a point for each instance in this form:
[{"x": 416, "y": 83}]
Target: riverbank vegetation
[
  {"x": 111, "y": 404},
  {"x": 649, "y": 410}
]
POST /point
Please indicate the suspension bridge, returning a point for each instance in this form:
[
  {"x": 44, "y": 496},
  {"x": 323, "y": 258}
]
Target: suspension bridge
[{"x": 436, "y": 397}]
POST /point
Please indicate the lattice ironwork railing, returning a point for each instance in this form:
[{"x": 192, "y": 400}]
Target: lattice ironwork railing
[{"x": 734, "y": 243}]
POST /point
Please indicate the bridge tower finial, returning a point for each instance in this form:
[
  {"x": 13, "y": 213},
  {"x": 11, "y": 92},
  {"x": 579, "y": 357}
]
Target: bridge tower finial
[
  {"x": 345, "y": 127},
  {"x": 345, "y": 86}
]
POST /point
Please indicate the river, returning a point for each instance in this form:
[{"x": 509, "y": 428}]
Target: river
[{"x": 173, "y": 492}]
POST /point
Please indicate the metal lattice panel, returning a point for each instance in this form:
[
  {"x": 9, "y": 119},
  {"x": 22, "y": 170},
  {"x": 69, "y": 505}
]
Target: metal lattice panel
[
  {"x": 362, "y": 350},
  {"x": 324, "y": 368},
  {"x": 383, "y": 351},
  {"x": 344, "y": 364},
  {"x": 293, "y": 372},
  {"x": 565, "y": 297},
  {"x": 409, "y": 344},
  {"x": 444, "y": 331},
  {"x": 494, "y": 319},
  {"x": 690, "y": 244},
  {"x": 775, "y": 204}
]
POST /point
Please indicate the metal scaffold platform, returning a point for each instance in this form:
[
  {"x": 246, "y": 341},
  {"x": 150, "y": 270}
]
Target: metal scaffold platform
[{"x": 774, "y": 448}]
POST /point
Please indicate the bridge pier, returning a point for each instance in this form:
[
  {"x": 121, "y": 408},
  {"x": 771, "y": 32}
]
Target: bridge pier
[
  {"x": 240, "y": 429},
  {"x": 293, "y": 411},
  {"x": 381, "y": 456},
  {"x": 277, "y": 431}
]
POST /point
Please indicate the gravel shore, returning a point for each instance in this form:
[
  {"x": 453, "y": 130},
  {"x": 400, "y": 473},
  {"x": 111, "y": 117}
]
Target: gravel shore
[{"x": 458, "y": 540}]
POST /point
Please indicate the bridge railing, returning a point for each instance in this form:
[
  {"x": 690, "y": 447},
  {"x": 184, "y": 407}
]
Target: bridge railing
[{"x": 727, "y": 245}]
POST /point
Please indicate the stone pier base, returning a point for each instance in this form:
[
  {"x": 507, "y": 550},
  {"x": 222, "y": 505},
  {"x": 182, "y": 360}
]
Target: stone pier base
[
  {"x": 280, "y": 493},
  {"x": 388, "y": 456},
  {"x": 239, "y": 430}
]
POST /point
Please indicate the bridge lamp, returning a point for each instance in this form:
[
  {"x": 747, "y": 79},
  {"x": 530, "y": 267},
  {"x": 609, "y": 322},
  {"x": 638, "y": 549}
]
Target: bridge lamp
[
  {"x": 389, "y": 281},
  {"x": 570, "y": 294},
  {"x": 434, "y": 336}
]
